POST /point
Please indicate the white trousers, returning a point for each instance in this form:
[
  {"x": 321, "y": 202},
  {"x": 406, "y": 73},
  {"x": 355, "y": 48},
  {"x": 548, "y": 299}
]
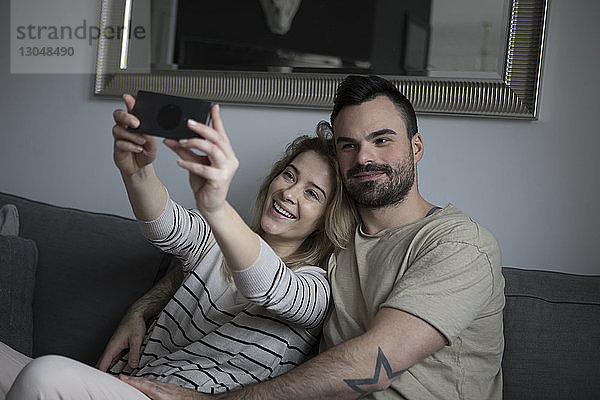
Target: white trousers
[{"x": 57, "y": 378}]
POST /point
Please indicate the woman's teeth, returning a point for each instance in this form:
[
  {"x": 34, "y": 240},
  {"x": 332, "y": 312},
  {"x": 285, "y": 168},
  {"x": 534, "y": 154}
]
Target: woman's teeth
[{"x": 282, "y": 211}]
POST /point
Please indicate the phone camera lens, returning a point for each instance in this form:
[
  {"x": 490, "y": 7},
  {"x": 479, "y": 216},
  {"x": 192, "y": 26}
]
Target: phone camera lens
[{"x": 169, "y": 116}]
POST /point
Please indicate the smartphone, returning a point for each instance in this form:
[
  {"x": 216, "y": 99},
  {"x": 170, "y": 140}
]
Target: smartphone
[{"x": 166, "y": 116}]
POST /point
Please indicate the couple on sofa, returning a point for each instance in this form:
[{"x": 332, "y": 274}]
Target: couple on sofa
[{"x": 406, "y": 297}]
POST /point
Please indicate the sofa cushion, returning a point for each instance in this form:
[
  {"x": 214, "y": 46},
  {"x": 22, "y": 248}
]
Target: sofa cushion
[
  {"x": 91, "y": 267},
  {"x": 18, "y": 260},
  {"x": 552, "y": 335}
]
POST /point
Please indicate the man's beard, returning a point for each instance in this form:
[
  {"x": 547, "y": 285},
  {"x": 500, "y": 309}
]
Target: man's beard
[{"x": 375, "y": 194}]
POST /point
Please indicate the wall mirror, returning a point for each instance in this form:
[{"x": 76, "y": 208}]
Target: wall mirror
[{"x": 462, "y": 57}]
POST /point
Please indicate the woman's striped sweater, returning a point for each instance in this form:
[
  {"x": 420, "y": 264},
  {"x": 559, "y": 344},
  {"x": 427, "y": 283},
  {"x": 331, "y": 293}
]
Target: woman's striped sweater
[{"x": 216, "y": 335}]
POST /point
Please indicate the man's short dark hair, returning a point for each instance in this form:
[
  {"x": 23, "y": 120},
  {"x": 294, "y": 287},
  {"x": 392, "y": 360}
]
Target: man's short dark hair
[{"x": 358, "y": 89}]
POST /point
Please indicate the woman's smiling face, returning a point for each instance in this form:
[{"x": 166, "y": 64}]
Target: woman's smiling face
[{"x": 297, "y": 199}]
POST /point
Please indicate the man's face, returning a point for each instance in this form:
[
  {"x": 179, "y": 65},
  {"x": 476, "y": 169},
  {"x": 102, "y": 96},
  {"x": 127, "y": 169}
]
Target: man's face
[{"x": 374, "y": 153}]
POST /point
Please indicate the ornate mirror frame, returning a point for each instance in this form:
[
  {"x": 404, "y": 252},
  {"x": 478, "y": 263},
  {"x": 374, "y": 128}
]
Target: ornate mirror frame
[{"x": 515, "y": 95}]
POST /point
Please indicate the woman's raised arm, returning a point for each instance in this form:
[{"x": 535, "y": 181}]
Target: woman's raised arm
[
  {"x": 133, "y": 154},
  {"x": 210, "y": 176}
]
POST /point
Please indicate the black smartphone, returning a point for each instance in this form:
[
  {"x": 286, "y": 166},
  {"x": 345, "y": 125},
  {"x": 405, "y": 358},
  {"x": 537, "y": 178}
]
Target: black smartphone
[{"x": 166, "y": 116}]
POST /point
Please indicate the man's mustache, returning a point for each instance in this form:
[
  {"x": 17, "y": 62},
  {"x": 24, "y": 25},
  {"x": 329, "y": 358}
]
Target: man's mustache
[{"x": 357, "y": 169}]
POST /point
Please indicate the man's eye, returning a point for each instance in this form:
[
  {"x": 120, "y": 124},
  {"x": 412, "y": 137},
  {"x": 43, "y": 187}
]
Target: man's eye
[
  {"x": 348, "y": 146},
  {"x": 382, "y": 140}
]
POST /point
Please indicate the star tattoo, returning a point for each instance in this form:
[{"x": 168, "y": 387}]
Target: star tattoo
[{"x": 382, "y": 362}]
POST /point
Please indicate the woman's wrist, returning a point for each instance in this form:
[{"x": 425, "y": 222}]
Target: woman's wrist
[
  {"x": 215, "y": 216},
  {"x": 140, "y": 176}
]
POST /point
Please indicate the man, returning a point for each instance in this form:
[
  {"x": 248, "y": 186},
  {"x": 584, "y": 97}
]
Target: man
[{"x": 418, "y": 297}]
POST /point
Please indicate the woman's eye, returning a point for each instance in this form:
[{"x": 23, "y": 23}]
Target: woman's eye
[
  {"x": 288, "y": 175},
  {"x": 312, "y": 194}
]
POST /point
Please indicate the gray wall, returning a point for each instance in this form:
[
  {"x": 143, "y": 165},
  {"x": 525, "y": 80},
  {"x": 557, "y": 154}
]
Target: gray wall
[{"x": 533, "y": 183}]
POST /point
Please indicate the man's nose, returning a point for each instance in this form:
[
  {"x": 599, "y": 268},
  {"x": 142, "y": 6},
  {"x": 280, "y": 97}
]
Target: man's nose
[{"x": 365, "y": 156}]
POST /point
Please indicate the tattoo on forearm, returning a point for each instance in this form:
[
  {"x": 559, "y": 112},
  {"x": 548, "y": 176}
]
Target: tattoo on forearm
[{"x": 382, "y": 362}]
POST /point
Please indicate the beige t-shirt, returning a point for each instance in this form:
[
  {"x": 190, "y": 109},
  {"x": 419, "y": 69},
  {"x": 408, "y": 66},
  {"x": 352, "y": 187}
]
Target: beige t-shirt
[{"x": 444, "y": 269}]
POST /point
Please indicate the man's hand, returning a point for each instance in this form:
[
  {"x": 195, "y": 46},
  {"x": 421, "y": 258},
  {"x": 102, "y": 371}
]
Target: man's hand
[
  {"x": 163, "y": 391},
  {"x": 128, "y": 335}
]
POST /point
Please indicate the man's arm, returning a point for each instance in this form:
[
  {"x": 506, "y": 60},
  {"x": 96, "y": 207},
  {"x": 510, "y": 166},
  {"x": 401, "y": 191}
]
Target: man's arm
[
  {"x": 132, "y": 328},
  {"x": 151, "y": 303},
  {"x": 368, "y": 363}
]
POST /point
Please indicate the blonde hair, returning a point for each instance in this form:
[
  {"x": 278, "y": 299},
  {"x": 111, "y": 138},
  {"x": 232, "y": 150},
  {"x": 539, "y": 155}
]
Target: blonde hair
[{"x": 339, "y": 217}]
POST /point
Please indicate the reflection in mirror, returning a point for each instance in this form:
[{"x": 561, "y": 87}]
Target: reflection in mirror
[
  {"x": 341, "y": 36},
  {"x": 384, "y": 37},
  {"x": 468, "y": 44}
]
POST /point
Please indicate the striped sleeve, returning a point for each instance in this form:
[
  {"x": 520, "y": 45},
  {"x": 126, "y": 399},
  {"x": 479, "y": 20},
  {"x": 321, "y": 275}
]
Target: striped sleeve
[
  {"x": 181, "y": 232},
  {"x": 300, "y": 297}
]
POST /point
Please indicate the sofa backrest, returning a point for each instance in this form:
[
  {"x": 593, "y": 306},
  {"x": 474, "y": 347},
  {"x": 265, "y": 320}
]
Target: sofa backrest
[
  {"x": 552, "y": 335},
  {"x": 91, "y": 268}
]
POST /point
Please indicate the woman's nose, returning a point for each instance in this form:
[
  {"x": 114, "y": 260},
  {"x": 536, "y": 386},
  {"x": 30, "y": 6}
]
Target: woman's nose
[{"x": 289, "y": 193}]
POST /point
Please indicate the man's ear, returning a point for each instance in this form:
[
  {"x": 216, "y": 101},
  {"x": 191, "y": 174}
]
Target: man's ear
[{"x": 417, "y": 147}]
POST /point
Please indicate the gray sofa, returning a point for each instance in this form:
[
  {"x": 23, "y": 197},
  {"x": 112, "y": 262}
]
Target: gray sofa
[{"x": 68, "y": 277}]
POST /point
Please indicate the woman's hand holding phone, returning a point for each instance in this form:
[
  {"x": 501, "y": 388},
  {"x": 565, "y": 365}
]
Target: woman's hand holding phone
[
  {"x": 211, "y": 171},
  {"x": 132, "y": 151}
]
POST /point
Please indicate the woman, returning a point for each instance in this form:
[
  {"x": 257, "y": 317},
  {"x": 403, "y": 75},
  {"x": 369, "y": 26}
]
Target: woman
[{"x": 234, "y": 314}]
